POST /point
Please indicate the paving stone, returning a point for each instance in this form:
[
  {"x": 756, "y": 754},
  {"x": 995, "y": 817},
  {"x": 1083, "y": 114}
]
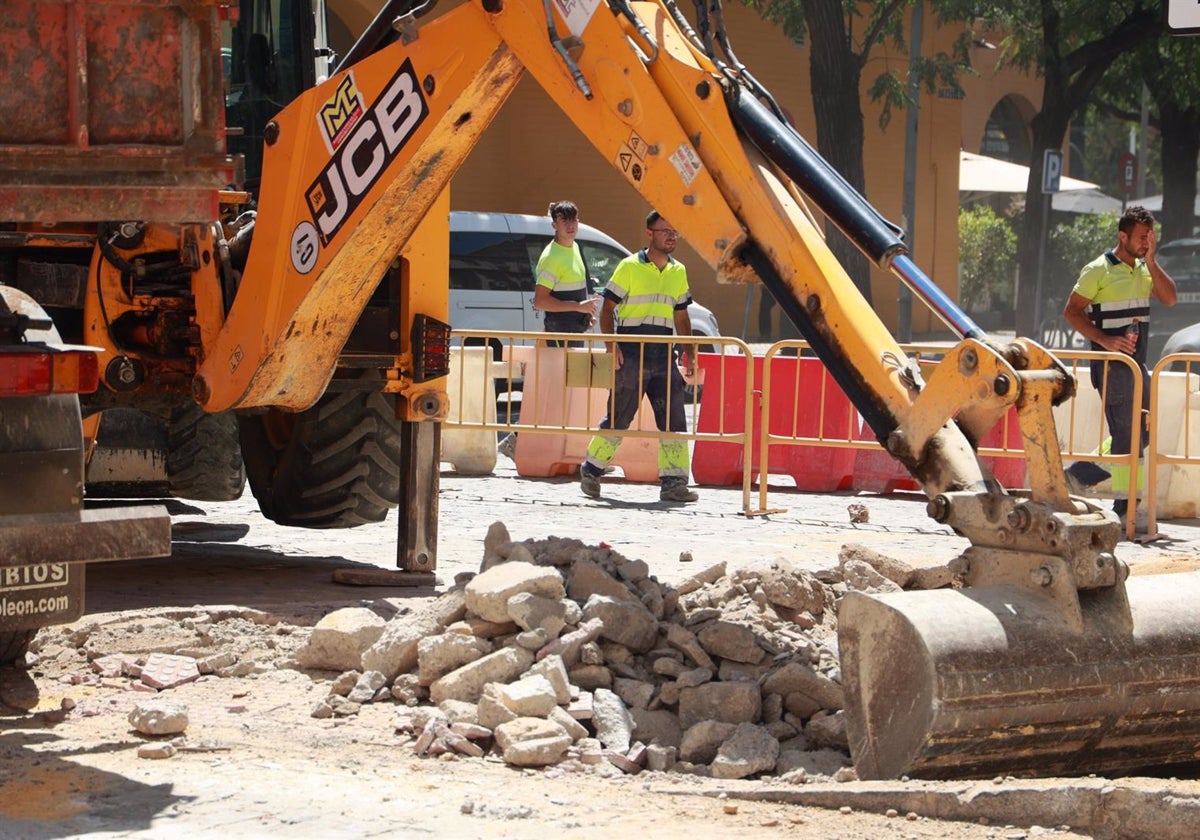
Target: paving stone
[
  {"x": 730, "y": 641},
  {"x": 700, "y": 742},
  {"x": 611, "y": 721},
  {"x": 797, "y": 677},
  {"x": 553, "y": 669},
  {"x": 658, "y": 726},
  {"x": 531, "y": 612},
  {"x": 587, "y": 578},
  {"x": 165, "y": 670},
  {"x": 439, "y": 655},
  {"x": 531, "y": 696}
]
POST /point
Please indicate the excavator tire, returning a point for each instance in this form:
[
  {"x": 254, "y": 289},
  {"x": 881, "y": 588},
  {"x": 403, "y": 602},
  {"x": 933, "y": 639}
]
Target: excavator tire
[
  {"x": 335, "y": 465},
  {"x": 204, "y": 455},
  {"x": 13, "y": 645}
]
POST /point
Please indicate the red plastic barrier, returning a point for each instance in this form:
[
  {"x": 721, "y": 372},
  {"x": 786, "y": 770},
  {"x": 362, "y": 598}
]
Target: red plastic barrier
[
  {"x": 875, "y": 471},
  {"x": 796, "y": 394}
]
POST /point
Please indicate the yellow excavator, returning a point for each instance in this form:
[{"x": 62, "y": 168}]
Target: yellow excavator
[{"x": 300, "y": 287}]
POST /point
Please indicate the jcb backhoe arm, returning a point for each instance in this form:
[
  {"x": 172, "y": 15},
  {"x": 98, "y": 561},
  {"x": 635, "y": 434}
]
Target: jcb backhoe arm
[{"x": 1028, "y": 669}]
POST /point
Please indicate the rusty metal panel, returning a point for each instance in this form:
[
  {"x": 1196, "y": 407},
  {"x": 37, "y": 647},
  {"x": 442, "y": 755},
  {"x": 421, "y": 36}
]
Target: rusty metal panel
[
  {"x": 112, "y": 109},
  {"x": 33, "y": 68},
  {"x": 124, "y": 533}
]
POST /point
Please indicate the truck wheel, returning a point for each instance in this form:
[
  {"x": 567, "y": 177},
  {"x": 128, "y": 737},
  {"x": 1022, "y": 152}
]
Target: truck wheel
[
  {"x": 204, "y": 456},
  {"x": 335, "y": 465},
  {"x": 13, "y": 645}
]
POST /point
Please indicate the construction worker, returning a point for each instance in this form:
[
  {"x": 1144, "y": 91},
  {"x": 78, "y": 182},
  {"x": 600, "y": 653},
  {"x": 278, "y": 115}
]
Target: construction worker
[
  {"x": 647, "y": 295},
  {"x": 1110, "y": 306}
]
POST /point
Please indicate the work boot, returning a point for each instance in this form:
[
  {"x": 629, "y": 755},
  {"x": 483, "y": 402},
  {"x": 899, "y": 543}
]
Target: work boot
[
  {"x": 676, "y": 490},
  {"x": 588, "y": 483},
  {"x": 508, "y": 446}
]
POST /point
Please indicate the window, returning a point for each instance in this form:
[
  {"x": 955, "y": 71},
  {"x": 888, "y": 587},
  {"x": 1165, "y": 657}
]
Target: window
[
  {"x": 490, "y": 262},
  {"x": 601, "y": 261}
]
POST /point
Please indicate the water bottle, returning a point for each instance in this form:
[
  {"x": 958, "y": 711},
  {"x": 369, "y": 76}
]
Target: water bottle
[{"x": 1131, "y": 332}]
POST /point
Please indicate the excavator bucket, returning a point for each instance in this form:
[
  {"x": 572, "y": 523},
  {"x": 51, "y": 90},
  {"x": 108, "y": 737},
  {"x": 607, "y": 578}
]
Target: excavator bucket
[{"x": 1006, "y": 679}]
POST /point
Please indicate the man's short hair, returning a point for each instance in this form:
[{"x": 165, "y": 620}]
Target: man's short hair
[
  {"x": 652, "y": 217},
  {"x": 565, "y": 210},
  {"x": 1135, "y": 215}
]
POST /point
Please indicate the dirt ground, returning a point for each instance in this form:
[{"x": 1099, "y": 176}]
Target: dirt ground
[{"x": 253, "y": 762}]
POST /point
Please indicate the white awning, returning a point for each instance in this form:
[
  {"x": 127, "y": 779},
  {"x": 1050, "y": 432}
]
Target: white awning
[
  {"x": 1153, "y": 203},
  {"x": 982, "y": 174}
]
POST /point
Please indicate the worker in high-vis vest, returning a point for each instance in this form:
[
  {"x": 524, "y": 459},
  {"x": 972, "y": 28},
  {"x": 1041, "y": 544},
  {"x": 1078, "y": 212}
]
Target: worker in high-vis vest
[
  {"x": 562, "y": 291},
  {"x": 647, "y": 295},
  {"x": 1110, "y": 307}
]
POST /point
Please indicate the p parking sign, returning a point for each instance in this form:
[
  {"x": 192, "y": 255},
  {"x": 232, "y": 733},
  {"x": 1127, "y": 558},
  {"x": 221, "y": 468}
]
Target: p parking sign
[{"x": 1051, "y": 170}]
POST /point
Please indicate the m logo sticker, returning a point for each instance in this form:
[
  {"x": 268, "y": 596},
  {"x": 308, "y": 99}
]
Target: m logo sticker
[
  {"x": 340, "y": 113},
  {"x": 364, "y": 151}
]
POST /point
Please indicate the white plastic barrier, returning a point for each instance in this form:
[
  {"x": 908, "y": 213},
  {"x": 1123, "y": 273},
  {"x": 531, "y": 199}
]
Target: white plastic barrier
[
  {"x": 1178, "y": 485},
  {"x": 472, "y": 393}
]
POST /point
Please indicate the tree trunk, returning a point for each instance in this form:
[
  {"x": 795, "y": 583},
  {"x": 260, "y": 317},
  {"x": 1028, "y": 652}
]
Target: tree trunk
[
  {"x": 1180, "y": 146},
  {"x": 1049, "y": 127},
  {"x": 836, "y": 75}
]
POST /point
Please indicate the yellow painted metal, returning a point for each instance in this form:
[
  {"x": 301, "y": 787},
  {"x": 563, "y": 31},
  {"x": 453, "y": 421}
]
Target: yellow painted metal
[{"x": 393, "y": 129}]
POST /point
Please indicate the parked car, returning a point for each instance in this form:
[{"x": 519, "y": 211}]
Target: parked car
[{"x": 1174, "y": 329}]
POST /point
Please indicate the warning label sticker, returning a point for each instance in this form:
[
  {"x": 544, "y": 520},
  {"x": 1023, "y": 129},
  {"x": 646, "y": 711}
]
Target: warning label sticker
[{"x": 686, "y": 163}]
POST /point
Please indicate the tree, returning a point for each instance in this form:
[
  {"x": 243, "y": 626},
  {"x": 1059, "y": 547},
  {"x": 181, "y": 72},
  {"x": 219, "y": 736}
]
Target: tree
[
  {"x": 1169, "y": 67},
  {"x": 986, "y": 243},
  {"x": 1071, "y": 44},
  {"x": 842, "y": 35},
  {"x": 1171, "y": 71}
]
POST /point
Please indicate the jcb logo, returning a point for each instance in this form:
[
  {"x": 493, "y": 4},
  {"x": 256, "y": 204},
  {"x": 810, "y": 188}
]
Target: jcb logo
[
  {"x": 368, "y": 150},
  {"x": 341, "y": 113}
]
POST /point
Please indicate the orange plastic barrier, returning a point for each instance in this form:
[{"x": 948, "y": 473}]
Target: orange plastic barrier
[
  {"x": 547, "y": 402},
  {"x": 795, "y": 411}
]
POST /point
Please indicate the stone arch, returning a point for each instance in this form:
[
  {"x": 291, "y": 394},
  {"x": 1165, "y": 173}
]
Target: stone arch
[{"x": 1006, "y": 134}]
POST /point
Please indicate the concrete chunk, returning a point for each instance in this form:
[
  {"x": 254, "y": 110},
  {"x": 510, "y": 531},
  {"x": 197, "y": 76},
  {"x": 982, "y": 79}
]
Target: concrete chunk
[
  {"x": 488, "y": 592},
  {"x": 339, "y": 639},
  {"x": 467, "y": 682},
  {"x": 625, "y": 622},
  {"x": 439, "y": 655},
  {"x": 737, "y": 702},
  {"x": 748, "y": 751}
]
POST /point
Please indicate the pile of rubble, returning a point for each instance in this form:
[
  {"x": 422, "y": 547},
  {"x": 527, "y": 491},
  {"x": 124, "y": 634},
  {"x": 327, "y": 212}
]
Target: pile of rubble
[{"x": 558, "y": 653}]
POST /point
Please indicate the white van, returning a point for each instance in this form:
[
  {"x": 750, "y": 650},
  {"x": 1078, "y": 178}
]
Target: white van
[{"x": 492, "y": 261}]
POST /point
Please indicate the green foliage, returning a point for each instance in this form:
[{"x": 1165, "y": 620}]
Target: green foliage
[
  {"x": 986, "y": 258},
  {"x": 1072, "y": 246}
]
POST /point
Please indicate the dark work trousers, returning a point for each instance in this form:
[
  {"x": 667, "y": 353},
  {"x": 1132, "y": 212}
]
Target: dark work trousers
[{"x": 656, "y": 377}]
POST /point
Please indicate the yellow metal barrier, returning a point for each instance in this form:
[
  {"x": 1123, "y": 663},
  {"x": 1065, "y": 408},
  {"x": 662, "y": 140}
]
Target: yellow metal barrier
[
  {"x": 585, "y": 365},
  {"x": 520, "y": 358}
]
